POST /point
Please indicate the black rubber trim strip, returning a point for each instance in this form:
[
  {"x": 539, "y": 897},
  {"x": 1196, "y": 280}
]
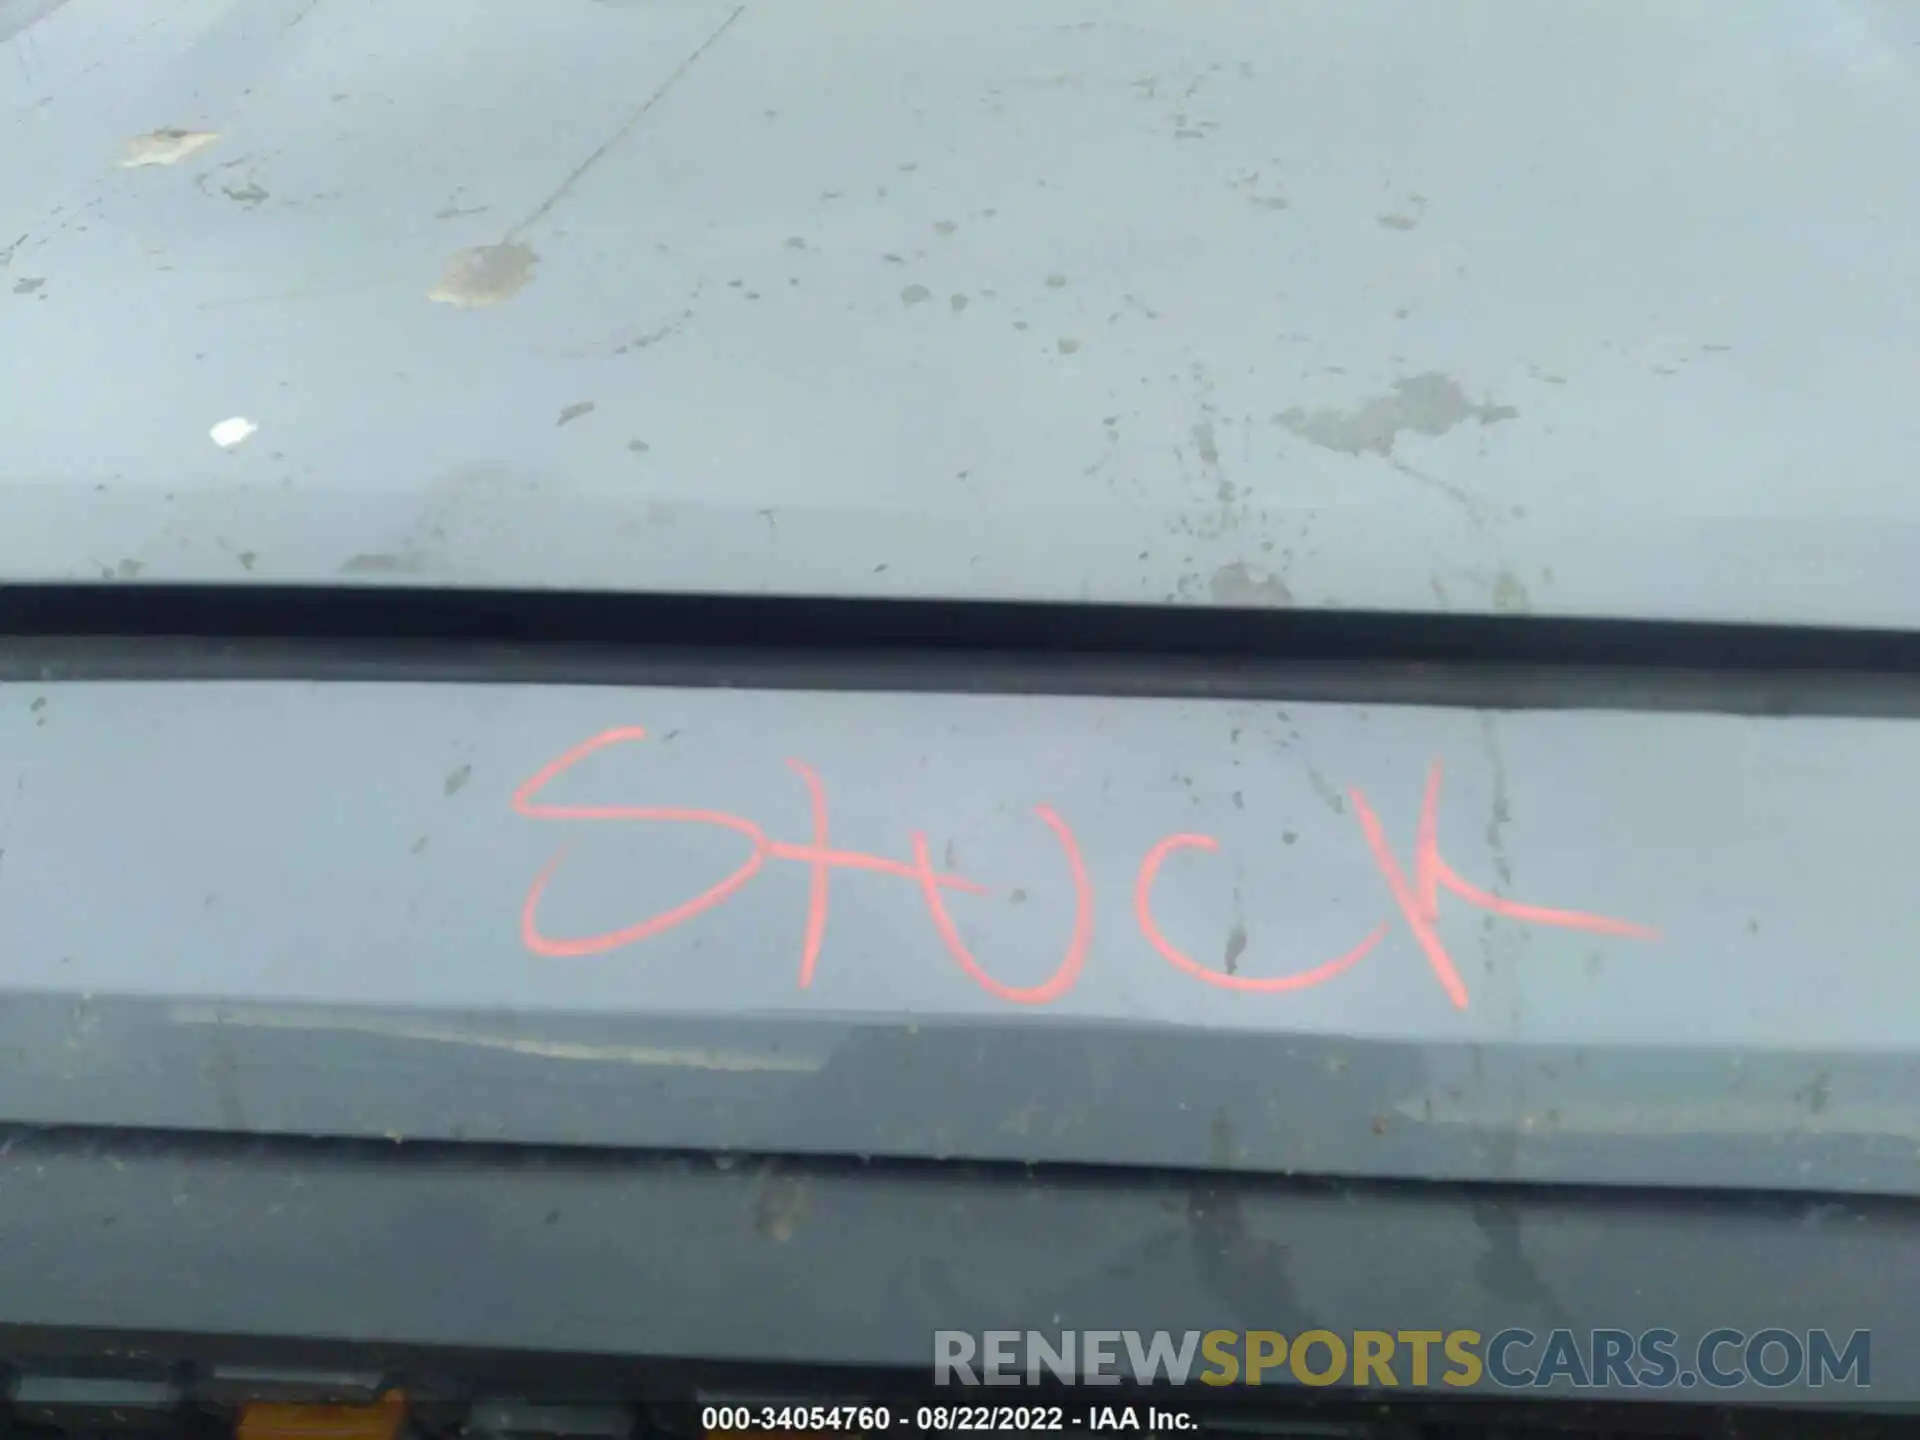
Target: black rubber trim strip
[{"x": 157, "y": 632}]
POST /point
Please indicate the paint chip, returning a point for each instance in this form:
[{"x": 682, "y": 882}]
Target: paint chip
[
  {"x": 485, "y": 275},
  {"x": 1428, "y": 404},
  {"x": 1239, "y": 585},
  {"x": 380, "y": 562},
  {"x": 236, "y": 431},
  {"x": 1510, "y": 595},
  {"x": 164, "y": 147}
]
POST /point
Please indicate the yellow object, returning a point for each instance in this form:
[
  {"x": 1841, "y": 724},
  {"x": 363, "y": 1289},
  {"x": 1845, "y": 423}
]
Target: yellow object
[{"x": 324, "y": 1422}]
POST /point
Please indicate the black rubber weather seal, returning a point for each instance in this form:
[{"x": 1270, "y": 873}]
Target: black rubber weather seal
[{"x": 160, "y": 632}]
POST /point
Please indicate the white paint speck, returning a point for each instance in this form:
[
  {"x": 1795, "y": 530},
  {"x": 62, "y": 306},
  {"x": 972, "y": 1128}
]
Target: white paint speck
[
  {"x": 164, "y": 147},
  {"x": 237, "y": 431}
]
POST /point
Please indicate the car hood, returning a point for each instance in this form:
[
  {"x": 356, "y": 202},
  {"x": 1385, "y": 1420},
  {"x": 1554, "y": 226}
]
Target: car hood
[{"x": 1560, "y": 309}]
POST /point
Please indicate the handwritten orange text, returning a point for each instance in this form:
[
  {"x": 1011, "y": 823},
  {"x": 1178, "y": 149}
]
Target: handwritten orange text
[{"x": 1415, "y": 897}]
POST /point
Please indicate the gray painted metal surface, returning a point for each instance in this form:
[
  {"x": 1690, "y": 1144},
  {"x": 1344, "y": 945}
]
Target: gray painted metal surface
[
  {"x": 412, "y": 910},
  {"x": 1582, "y": 308}
]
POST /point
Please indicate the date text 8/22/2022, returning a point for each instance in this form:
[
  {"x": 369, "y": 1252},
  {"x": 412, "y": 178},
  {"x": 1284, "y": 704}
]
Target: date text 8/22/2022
[{"x": 961, "y": 1419}]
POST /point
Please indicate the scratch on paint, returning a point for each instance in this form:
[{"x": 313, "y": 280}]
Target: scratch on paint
[
  {"x": 580, "y": 171},
  {"x": 663, "y": 1056}
]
